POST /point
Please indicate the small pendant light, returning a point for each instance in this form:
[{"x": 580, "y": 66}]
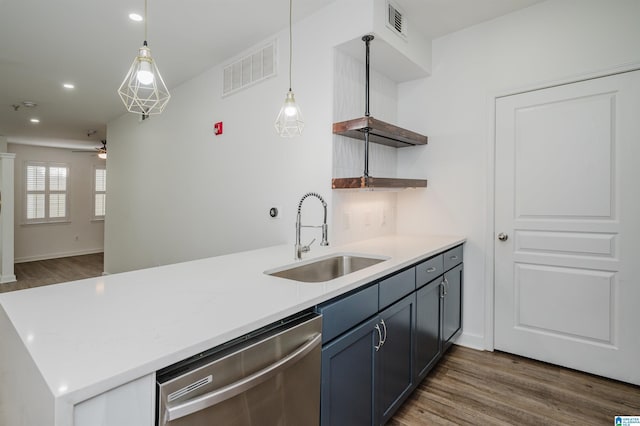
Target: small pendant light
[
  {"x": 143, "y": 91},
  {"x": 289, "y": 122}
]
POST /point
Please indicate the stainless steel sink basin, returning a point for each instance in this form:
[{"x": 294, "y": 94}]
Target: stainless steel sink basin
[{"x": 327, "y": 268}]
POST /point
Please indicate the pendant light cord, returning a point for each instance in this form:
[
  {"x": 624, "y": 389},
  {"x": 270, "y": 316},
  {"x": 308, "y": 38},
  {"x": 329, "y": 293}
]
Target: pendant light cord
[
  {"x": 290, "y": 42},
  {"x": 145, "y": 22}
]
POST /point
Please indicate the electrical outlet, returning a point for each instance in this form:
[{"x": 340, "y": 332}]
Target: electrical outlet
[{"x": 367, "y": 218}]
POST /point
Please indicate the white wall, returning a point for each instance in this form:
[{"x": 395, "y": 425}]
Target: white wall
[
  {"x": 359, "y": 215},
  {"x": 177, "y": 192},
  {"x": 552, "y": 41},
  {"x": 51, "y": 240}
]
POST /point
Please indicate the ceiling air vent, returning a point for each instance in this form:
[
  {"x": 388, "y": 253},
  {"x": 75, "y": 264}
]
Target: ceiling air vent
[
  {"x": 249, "y": 69},
  {"x": 396, "y": 20}
]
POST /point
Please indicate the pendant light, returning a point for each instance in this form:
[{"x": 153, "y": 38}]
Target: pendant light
[
  {"x": 143, "y": 91},
  {"x": 289, "y": 122}
]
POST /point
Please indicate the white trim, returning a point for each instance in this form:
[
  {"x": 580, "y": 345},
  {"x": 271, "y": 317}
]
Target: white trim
[
  {"x": 621, "y": 69},
  {"x": 490, "y": 227},
  {"x": 468, "y": 340},
  {"x": 40, "y": 222},
  {"x": 6, "y": 279},
  {"x": 7, "y": 217},
  {"x": 58, "y": 255},
  {"x": 491, "y": 165}
]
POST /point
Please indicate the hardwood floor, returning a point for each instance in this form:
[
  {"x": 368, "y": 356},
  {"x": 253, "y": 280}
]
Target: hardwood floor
[
  {"x": 470, "y": 387},
  {"x": 53, "y": 271}
]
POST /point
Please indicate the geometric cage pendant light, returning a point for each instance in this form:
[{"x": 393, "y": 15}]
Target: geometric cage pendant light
[
  {"x": 143, "y": 91},
  {"x": 289, "y": 122}
]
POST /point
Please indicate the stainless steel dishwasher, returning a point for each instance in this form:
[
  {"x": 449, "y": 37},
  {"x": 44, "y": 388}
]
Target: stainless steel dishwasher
[{"x": 269, "y": 377}]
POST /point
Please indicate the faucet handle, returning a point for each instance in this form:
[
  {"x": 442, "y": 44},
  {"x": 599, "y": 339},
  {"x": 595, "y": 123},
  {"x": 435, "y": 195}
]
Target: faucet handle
[{"x": 303, "y": 249}]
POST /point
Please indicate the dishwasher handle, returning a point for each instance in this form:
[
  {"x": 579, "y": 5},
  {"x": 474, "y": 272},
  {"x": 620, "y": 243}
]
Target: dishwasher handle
[{"x": 219, "y": 395}]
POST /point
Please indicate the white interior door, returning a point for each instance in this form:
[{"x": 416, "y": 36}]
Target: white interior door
[{"x": 567, "y": 200}]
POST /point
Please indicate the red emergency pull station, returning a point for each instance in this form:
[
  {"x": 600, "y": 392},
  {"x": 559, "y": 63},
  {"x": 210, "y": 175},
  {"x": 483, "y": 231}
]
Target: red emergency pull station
[{"x": 217, "y": 128}]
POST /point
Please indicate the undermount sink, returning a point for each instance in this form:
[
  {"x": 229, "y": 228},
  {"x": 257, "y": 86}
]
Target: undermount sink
[{"x": 327, "y": 268}]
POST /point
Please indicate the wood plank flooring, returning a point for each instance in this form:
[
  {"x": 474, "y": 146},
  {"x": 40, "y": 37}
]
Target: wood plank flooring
[
  {"x": 470, "y": 387},
  {"x": 53, "y": 271}
]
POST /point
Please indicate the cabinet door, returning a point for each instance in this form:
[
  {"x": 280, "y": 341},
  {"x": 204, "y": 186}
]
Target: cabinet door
[
  {"x": 452, "y": 306},
  {"x": 427, "y": 327},
  {"x": 395, "y": 367},
  {"x": 347, "y": 377}
]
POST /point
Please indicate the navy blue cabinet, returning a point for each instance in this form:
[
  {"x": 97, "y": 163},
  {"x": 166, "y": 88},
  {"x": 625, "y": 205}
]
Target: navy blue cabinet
[
  {"x": 379, "y": 342},
  {"x": 427, "y": 327},
  {"x": 395, "y": 376},
  {"x": 368, "y": 372},
  {"x": 347, "y": 386},
  {"x": 452, "y": 304}
]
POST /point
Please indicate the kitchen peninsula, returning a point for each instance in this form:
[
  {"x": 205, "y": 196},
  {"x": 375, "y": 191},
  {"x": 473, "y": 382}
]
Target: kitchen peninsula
[{"x": 67, "y": 347}]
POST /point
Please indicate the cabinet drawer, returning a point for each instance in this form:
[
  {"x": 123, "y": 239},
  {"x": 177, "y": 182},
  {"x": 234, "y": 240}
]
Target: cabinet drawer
[
  {"x": 452, "y": 258},
  {"x": 341, "y": 315},
  {"x": 396, "y": 287},
  {"x": 429, "y": 269}
]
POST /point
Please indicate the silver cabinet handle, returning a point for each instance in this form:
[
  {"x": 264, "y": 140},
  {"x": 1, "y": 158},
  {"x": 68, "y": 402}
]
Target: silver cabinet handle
[
  {"x": 380, "y": 341},
  {"x": 432, "y": 269},
  {"x": 503, "y": 237},
  {"x": 443, "y": 288},
  {"x": 454, "y": 257},
  {"x": 219, "y": 395},
  {"x": 385, "y": 332}
]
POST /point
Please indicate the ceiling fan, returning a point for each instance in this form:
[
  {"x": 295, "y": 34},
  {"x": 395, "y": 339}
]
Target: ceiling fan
[{"x": 102, "y": 151}]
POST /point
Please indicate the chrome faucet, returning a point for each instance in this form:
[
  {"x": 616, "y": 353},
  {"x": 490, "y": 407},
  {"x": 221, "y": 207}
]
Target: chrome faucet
[{"x": 299, "y": 248}]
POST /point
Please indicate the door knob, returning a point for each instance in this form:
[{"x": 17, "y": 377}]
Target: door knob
[{"x": 503, "y": 237}]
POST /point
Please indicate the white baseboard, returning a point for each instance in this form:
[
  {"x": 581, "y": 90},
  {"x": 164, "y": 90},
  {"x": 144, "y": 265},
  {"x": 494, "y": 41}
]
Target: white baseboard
[
  {"x": 57, "y": 255},
  {"x": 5, "y": 279},
  {"x": 473, "y": 341}
]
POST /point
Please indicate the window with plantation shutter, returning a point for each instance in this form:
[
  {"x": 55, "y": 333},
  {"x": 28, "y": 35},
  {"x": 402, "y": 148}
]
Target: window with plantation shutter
[
  {"x": 46, "y": 197},
  {"x": 99, "y": 193}
]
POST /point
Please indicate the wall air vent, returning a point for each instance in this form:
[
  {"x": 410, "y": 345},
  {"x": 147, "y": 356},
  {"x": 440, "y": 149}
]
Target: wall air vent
[
  {"x": 249, "y": 69},
  {"x": 396, "y": 20}
]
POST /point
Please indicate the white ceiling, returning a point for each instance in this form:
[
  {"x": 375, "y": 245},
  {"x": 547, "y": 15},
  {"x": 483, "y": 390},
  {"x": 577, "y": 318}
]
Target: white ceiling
[{"x": 91, "y": 43}]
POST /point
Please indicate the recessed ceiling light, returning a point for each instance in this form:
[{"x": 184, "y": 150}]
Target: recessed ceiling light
[
  {"x": 68, "y": 86},
  {"x": 34, "y": 120},
  {"x": 135, "y": 17}
]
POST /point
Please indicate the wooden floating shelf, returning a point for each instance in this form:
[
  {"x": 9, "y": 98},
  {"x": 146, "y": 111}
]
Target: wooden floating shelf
[
  {"x": 379, "y": 132},
  {"x": 369, "y": 182}
]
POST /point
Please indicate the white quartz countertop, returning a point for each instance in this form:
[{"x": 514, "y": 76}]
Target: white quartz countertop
[{"x": 89, "y": 336}]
